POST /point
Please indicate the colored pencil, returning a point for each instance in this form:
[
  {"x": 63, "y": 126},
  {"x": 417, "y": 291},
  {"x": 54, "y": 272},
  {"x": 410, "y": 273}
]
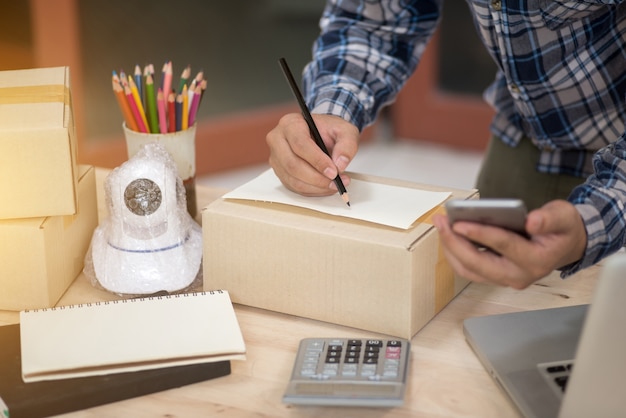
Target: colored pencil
[
  {"x": 179, "y": 112},
  {"x": 146, "y": 72},
  {"x": 139, "y": 81},
  {"x": 203, "y": 86},
  {"x": 191, "y": 90},
  {"x": 199, "y": 77},
  {"x": 161, "y": 109},
  {"x": 185, "y": 114},
  {"x": 151, "y": 105},
  {"x": 129, "y": 119},
  {"x": 184, "y": 77},
  {"x": 171, "y": 112},
  {"x": 193, "y": 109},
  {"x": 167, "y": 79},
  {"x": 138, "y": 101},
  {"x": 132, "y": 103}
]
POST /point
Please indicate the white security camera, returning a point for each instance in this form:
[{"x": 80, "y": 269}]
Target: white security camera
[{"x": 149, "y": 243}]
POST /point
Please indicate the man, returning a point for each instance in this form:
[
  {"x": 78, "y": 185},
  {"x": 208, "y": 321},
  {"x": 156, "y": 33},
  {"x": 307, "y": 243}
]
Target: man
[{"x": 559, "y": 97}]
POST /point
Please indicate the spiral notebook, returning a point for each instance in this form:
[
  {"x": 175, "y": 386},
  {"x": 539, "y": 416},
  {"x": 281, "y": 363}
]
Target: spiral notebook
[
  {"x": 129, "y": 335},
  {"x": 54, "y": 397}
]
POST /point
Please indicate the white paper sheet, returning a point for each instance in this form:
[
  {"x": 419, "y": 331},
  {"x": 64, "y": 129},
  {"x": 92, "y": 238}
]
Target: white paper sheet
[{"x": 383, "y": 204}]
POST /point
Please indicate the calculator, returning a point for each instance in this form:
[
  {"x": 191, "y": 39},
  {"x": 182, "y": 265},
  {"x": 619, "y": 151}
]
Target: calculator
[{"x": 349, "y": 372}]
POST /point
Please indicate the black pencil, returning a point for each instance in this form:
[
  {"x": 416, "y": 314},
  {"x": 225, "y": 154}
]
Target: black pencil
[{"x": 312, "y": 127}]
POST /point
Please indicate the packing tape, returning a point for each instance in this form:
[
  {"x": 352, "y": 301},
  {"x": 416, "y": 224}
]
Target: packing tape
[{"x": 48, "y": 93}]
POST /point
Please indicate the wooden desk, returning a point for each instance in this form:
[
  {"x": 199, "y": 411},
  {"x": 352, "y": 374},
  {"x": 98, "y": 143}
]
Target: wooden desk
[{"x": 446, "y": 379}]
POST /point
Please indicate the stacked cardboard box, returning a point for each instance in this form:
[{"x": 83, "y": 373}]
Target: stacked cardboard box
[
  {"x": 334, "y": 269},
  {"x": 48, "y": 202}
]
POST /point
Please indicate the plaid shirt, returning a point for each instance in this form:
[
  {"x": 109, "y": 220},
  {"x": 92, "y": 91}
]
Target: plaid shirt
[{"x": 561, "y": 82}]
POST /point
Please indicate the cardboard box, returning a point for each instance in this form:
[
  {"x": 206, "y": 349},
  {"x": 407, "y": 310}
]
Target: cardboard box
[
  {"x": 333, "y": 269},
  {"x": 41, "y": 257},
  {"x": 37, "y": 144}
]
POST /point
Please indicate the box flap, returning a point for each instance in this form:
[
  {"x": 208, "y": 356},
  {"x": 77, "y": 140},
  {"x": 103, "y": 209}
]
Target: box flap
[{"x": 352, "y": 229}]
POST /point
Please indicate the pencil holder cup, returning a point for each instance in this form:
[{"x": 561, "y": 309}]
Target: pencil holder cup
[{"x": 182, "y": 147}]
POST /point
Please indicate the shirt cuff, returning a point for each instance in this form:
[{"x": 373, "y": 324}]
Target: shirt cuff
[{"x": 588, "y": 213}]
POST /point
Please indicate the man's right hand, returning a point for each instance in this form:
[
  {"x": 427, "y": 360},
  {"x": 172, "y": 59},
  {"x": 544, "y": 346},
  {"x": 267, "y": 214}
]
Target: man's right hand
[{"x": 300, "y": 164}]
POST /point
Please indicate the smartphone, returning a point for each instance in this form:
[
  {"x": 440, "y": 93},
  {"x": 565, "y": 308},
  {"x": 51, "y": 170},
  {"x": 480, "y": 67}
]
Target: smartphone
[{"x": 504, "y": 213}]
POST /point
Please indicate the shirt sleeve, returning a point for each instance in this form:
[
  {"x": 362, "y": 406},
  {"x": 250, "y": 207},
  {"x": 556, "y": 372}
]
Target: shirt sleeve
[
  {"x": 601, "y": 203},
  {"x": 365, "y": 53}
]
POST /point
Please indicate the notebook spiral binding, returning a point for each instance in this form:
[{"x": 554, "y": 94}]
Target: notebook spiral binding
[{"x": 120, "y": 301}]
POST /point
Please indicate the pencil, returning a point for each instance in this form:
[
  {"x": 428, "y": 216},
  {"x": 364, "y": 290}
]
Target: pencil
[
  {"x": 139, "y": 80},
  {"x": 193, "y": 109},
  {"x": 184, "y": 77},
  {"x": 163, "y": 70},
  {"x": 135, "y": 93},
  {"x": 171, "y": 113},
  {"x": 161, "y": 109},
  {"x": 203, "y": 86},
  {"x": 132, "y": 103},
  {"x": 179, "y": 112},
  {"x": 167, "y": 80},
  {"x": 129, "y": 119},
  {"x": 151, "y": 105},
  {"x": 312, "y": 127},
  {"x": 185, "y": 114}
]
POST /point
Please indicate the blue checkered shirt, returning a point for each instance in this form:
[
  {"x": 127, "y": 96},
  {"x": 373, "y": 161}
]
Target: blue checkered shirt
[{"x": 561, "y": 82}]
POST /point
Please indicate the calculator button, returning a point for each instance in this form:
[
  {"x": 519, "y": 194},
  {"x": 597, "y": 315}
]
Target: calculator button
[
  {"x": 307, "y": 371},
  {"x": 330, "y": 369},
  {"x": 390, "y": 373},
  {"x": 320, "y": 377},
  {"x": 315, "y": 345},
  {"x": 368, "y": 370},
  {"x": 349, "y": 369},
  {"x": 309, "y": 364},
  {"x": 375, "y": 343},
  {"x": 394, "y": 343},
  {"x": 353, "y": 349},
  {"x": 354, "y": 343}
]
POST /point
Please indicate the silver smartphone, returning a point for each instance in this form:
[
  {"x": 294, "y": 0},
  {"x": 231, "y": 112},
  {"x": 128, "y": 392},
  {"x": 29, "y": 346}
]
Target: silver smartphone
[{"x": 504, "y": 213}]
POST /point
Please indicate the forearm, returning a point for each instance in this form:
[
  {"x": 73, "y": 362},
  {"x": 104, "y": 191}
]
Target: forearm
[
  {"x": 601, "y": 201},
  {"x": 365, "y": 53}
]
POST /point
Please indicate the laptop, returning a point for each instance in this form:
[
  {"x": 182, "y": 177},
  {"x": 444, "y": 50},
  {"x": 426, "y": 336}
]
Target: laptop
[{"x": 563, "y": 362}]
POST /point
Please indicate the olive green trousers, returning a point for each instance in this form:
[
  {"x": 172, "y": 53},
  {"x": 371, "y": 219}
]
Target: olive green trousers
[{"x": 511, "y": 172}]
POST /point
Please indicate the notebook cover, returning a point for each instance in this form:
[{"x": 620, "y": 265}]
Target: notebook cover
[
  {"x": 126, "y": 335},
  {"x": 41, "y": 399}
]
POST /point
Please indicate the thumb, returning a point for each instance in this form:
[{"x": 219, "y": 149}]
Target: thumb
[
  {"x": 552, "y": 218},
  {"x": 345, "y": 137}
]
